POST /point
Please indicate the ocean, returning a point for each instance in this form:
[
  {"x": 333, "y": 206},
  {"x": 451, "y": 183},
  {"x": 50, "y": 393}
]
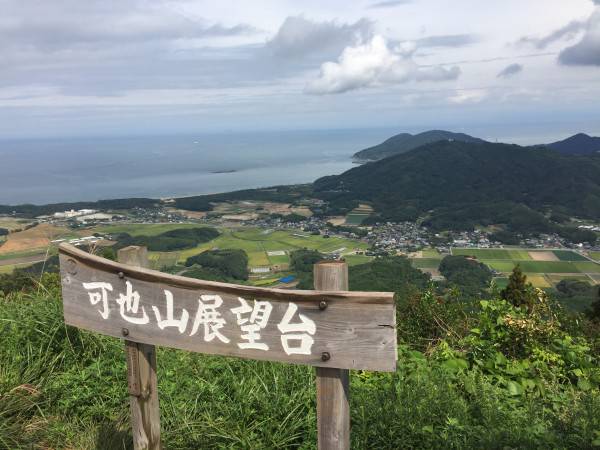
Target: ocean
[{"x": 83, "y": 169}]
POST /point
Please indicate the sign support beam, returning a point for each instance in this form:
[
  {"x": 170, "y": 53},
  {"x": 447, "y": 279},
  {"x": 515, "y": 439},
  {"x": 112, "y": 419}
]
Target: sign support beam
[
  {"x": 141, "y": 374},
  {"x": 333, "y": 407}
]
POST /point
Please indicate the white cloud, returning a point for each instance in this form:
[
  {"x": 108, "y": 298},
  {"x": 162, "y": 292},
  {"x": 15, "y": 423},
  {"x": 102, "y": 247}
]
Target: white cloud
[{"x": 374, "y": 63}]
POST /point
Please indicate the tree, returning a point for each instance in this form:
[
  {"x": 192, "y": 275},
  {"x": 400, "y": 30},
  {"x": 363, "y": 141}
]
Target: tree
[
  {"x": 519, "y": 291},
  {"x": 594, "y": 312}
]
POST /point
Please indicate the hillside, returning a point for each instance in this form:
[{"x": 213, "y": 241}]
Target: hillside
[
  {"x": 581, "y": 144},
  {"x": 467, "y": 183},
  {"x": 405, "y": 142}
]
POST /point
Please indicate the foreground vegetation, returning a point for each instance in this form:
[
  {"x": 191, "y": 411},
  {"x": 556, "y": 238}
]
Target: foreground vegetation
[{"x": 471, "y": 374}]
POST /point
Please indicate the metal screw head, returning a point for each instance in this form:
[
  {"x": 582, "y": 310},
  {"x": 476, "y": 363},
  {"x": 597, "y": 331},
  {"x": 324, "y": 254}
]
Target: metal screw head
[
  {"x": 325, "y": 356},
  {"x": 121, "y": 275},
  {"x": 125, "y": 331},
  {"x": 322, "y": 305}
]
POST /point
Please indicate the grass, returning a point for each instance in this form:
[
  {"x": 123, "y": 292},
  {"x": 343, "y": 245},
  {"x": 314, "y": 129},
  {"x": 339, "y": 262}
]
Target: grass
[
  {"x": 163, "y": 259},
  {"x": 279, "y": 259},
  {"x": 61, "y": 387},
  {"x": 8, "y": 268},
  {"x": 595, "y": 255}
]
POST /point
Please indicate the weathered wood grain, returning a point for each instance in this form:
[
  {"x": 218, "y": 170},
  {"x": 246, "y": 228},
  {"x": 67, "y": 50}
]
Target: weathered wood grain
[
  {"x": 356, "y": 329},
  {"x": 333, "y": 385},
  {"x": 141, "y": 374}
]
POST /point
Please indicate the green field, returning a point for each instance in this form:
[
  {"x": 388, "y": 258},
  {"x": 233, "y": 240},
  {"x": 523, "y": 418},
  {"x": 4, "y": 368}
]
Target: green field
[
  {"x": 493, "y": 253},
  {"x": 540, "y": 273},
  {"x": 556, "y": 278},
  {"x": 425, "y": 263},
  {"x": 595, "y": 255},
  {"x": 257, "y": 242},
  {"x": 587, "y": 267},
  {"x": 535, "y": 266},
  {"x": 355, "y": 219},
  {"x": 355, "y": 260},
  {"x": 144, "y": 229},
  {"x": 430, "y": 253},
  {"x": 568, "y": 255}
]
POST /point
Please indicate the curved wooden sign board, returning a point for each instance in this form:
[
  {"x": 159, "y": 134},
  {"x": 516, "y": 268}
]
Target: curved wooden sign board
[{"x": 347, "y": 330}]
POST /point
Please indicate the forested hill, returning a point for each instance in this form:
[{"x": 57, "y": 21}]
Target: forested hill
[
  {"x": 405, "y": 142},
  {"x": 476, "y": 182},
  {"x": 578, "y": 144}
]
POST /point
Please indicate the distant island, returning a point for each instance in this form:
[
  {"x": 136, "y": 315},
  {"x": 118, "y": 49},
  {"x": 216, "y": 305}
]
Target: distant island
[
  {"x": 580, "y": 144},
  {"x": 405, "y": 142},
  {"x": 224, "y": 171}
]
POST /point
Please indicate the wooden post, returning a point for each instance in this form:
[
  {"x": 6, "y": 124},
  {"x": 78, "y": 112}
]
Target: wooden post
[
  {"x": 333, "y": 408},
  {"x": 141, "y": 374}
]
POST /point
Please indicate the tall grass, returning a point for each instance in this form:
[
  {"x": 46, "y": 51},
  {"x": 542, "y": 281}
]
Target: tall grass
[{"x": 65, "y": 388}]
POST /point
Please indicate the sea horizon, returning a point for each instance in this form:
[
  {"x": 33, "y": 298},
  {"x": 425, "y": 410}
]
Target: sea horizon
[{"x": 75, "y": 169}]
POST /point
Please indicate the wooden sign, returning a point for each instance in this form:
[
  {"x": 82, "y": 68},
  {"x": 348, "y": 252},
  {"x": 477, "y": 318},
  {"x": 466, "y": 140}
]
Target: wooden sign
[{"x": 348, "y": 330}]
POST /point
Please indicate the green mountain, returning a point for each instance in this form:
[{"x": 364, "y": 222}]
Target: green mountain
[
  {"x": 405, "y": 142},
  {"x": 581, "y": 144},
  {"x": 457, "y": 185}
]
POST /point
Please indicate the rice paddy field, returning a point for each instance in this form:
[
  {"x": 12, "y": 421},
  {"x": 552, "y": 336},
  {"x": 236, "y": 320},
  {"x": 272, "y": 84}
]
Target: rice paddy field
[
  {"x": 544, "y": 268},
  {"x": 264, "y": 247},
  {"x": 359, "y": 214}
]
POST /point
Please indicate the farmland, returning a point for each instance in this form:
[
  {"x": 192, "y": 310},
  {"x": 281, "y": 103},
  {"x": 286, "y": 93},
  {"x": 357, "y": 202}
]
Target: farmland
[
  {"x": 258, "y": 243},
  {"x": 359, "y": 214},
  {"x": 265, "y": 248},
  {"x": 544, "y": 268}
]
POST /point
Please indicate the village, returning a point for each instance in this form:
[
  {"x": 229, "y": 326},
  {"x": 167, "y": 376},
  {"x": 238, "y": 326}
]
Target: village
[{"x": 387, "y": 238}]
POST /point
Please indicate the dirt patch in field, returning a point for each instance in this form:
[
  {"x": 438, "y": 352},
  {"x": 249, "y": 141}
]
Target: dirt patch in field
[
  {"x": 337, "y": 220},
  {"x": 543, "y": 256},
  {"x": 240, "y": 217},
  {"x": 36, "y": 237}
]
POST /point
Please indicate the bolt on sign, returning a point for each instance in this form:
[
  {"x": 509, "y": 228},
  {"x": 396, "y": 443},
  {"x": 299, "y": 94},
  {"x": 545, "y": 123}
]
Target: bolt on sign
[{"x": 347, "y": 330}]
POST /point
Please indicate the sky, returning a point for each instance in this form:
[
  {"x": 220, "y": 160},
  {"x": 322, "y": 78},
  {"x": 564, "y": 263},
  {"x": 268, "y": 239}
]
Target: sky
[{"x": 131, "y": 67}]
